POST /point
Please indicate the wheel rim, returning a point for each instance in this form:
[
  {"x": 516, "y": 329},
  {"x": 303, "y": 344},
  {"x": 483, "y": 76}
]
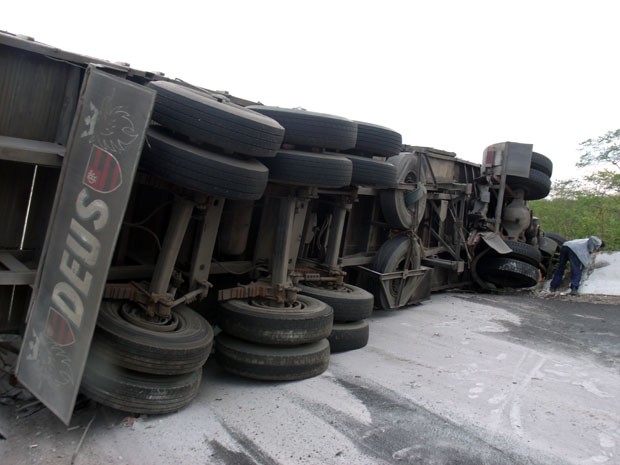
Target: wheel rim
[
  {"x": 404, "y": 208},
  {"x": 395, "y": 284},
  {"x": 410, "y": 178},
  {"x": 270, "y": 304},
  {"x": 136, "y": 316}
]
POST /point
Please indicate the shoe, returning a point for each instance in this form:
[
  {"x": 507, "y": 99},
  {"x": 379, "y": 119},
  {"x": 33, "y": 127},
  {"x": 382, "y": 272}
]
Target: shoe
[
  {"x": 553, "y": 289},
  {"x": 545, "y": 294},
  {"x": 574, "y": 292}
]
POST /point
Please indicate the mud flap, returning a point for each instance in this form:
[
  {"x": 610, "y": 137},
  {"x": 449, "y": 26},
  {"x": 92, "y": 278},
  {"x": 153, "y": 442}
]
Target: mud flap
[
  {"x": 494, "y": 241},
  {"x": 95, "y": 183}
]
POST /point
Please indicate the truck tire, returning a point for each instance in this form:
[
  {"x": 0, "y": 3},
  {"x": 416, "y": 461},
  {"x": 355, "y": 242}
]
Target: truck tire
[
  {"x": 183, "y": 347},
  {"x": 392, "y": 256},
  {"x": 138, "y": 393},
  {"x": 536, "y": 187},
  {"x": 309, "y": 169},
  {"x": 373, "y": 173},
  {"x": 507, "y": 272},
  {"x": 349, "y": 336},
  {"x": 271, "y": 363},
  {"x": 404, "y": 209},
  {"x": 521, "y": 251},
  {"x": 373, "y": 140},
  {"x": 194, "y": 168},
  {"x": 541, "y": 163},
  {"x": 350, "y": 303},
  {"x": 547, "y": 246},
  {"x": 309, "y": 129},
  {"x": 257, "y": 320},
  {"x": 207, "y": 120},
  {"x": 556, "y": 237}
]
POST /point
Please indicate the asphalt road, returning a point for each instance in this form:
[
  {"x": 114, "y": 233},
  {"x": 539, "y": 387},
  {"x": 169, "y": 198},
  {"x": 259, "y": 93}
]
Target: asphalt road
[{"x": 465, "y": 379}]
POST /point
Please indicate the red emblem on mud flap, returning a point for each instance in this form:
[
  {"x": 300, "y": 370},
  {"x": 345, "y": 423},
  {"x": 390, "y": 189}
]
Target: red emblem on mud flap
[
  {"x": 103, "y": 173},
  {"x": 58, "y": 329},
  {"x": 490, "y": 157}
]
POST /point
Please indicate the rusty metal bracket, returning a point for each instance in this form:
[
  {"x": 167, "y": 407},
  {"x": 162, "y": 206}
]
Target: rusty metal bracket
[
  {"x": 261, "y": 289},
  {"x": 333, "y": 276},
  {"x": 153, "y": 304},
  {"x": 125, "y": 291}
]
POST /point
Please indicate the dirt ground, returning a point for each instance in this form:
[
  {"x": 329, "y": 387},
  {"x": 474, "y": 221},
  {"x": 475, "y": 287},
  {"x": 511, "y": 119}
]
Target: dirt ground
[
  {"x": 470, "y": 379},
  {"x": 583, "y": 298}
]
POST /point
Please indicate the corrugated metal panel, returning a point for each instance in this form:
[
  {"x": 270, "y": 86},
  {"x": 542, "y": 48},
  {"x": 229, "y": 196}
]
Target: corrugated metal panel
[
  {"x": 13, "y": 307},
  {"x": 32, "y": 91},
  {"x": 43, "y": 193},
  {"x": 15, "y": 184}
]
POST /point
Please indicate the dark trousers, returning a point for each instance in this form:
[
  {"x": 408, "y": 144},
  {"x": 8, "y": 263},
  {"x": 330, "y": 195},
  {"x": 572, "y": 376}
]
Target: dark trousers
[{"x": 567, "y": 254}]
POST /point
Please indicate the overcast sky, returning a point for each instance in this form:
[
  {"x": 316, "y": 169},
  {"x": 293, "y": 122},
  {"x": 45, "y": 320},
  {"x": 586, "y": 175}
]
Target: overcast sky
[{"x": 455, "y": 75}]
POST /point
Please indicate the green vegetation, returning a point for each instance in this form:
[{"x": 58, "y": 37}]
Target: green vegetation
[
  {"x": 589, "y": 205},
  {"x": 582, "y": 216}
]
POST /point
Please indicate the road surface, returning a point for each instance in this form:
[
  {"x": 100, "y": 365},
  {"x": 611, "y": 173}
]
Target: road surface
[{"x": 464, "y": 379}]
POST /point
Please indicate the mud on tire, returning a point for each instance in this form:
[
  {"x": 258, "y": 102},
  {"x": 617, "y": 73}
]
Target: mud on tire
[
  {"x": 271, "y": 363},
  {"x": 507, "y": 272},
  {"x": 307, "y": 320},
  {"x": 181, "y": 350},
  {"x": 349, "y": 336},
  {"x": 350, "y": 303},
  {"x": 135, "y": 392}
]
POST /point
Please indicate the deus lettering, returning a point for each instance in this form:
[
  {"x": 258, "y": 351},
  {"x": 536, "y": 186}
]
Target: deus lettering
[{"x": 79, "y": 257}]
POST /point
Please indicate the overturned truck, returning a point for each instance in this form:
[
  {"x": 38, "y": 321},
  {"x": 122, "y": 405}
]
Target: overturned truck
[{"x": 142, "y": 213}]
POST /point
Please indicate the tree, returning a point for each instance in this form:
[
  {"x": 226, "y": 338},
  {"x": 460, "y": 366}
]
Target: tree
[
  {"x": 602, "y": 153},
  {"x": 580, "y": 207}
]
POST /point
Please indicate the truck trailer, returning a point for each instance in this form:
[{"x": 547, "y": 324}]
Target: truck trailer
[{"x": 150, "y": 223}]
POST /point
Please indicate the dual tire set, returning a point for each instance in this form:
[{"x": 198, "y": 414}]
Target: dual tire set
[
  {"x": 263, "y": 341},
  {"x": 352, "y": 306},
  {"x": 211, "y": 146},
  {"x": 154, "y": 366},
  {"x": 199, "y": 143},
  {"x": 135, "y": 367}
]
